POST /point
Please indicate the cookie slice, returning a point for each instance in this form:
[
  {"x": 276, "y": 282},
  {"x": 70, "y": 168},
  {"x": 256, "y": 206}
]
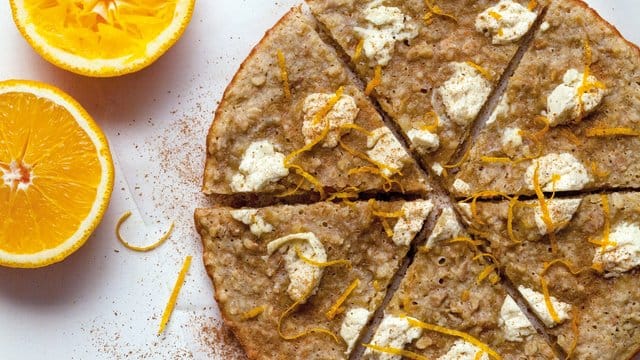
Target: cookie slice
[
  {"x": 585, "y": 251},
  {"x": 430, "y": 64},
  {"x": 303, "y": 281},
  {"x": 572, "y": 109},
  {"x": 451, "y": 305},
  {"x": 293, "y": 120}
]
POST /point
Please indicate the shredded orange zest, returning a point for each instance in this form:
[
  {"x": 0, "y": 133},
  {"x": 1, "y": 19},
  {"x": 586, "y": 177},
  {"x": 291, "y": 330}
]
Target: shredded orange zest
[
  {"x": 477, "y": 343},
  {"x": 384, "y": 216},
  {"x": 388, "y": 186},
  {"x": 465, "y": 296},
  {"x": 464, "y": 158},
  {"x": 617, "y": 131},
  {"x": 495, "y": 15},
  {"x": 436, "y": 122},
  {"x": 494, "y": 159},
  {"x": 310, "y": 178},
  {"x": 575, "y": 322},
  {"x": 532, "y": 5},
  {"x": 253, "y": 313},
  {"x": 340, "y": 262},
  {"x": 394, "y": 351},
  {"x": 320, "y": 115},
  {"x": 376, "y": 285},
  {"x": 482, "y": 194},
  {"x": 586, "y": 85},
  {"x": 546, "y": 217},
  {"x": 485, "y": 273},
  {"x": 607, "y": 224},
  {"x": 168, "y": 310},
  {"x": 484, "y": 72},
  {"x": 461, "y": 239},
  {"x": 571, "y": 136},
  {"x": 293, "y": 191},
  {"x": 317, "y": 330},
  {"x": 358, "y": 51},
  {"x": 512, "y": 203},
  {"x": 333, "y": 310},
  {"x": 346, "y": 195},
  {"x": 355, "y": 127},
  {"x": 377, "y": 79},
  {"x": 597, "y": 171},
  {"x": 368, "y": 159},
  {"x": 500, "y": 32},
  {"x": 478, "y": 355},
  {"x": 284, "y": 75},
  {"x": 486, "y": 255},
  {"x": 435, "y": 10},
  {"x": 156, "y": 244},
  {"x": 564, "y": 262},
  {"x": 599, "y": 267},
  {"x": 547, "y": 125},
  {"x": 547, "y": 300}
]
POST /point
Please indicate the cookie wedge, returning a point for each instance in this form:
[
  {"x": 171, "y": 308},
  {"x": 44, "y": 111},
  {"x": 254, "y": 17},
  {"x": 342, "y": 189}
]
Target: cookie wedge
[
  {"x": 303, "y": 281},
  {"x": 430, "y": 64},
  {"x": 586, "y": 254},
  {"x": 451, "y": 305},
  {"x": 293, "y": 120},
  {"x": 582, "y": 128}
]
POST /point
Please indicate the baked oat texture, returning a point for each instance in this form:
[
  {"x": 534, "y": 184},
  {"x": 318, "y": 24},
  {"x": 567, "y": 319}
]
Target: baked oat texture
[
  {"x": 246, "y": 277},
  {"x": 256, "y": 112},
  {"x": 437, "y": 69}
]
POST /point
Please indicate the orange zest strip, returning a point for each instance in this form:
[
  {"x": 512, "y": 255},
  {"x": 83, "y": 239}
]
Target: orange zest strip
[
  {"x": 488, "y": 270},
  {"x": 320, "y": 115},
  {"x": 597, "y": 171},
  {"x": 436, "y": 328},
  {"x": 547, "y": 125},
  {"x": 512, "y": 203},
  {"x": 571, "y": 136},
  {"x": 308, "y": 147},
  {"x": 256, "y": 311},
  {"x": 532, "y": 5},
  {"x": 377, "y": 79},
  {"x": 435, "y": 10},
  {"x": 478, "y": 355},
  {"x": 575, "y": 327},
  {"x": 366, "y": 158},
  {"x": 499, "y": 160},
  {"x": 284, "y": 75},
  {"x": 388, "y": 186},
  {"x": 617, "y": 131},
  {"x": 486, "y": 255},
  {"x": 317, "y": 330},
  {"x": 168, "y": 310},
  {"x": 340, "y": 262},
  {"x": 335, "y": 308},
  {"x": 462, "y": 160},
  {"x": 310, "y": 178},
  {"x": 387, "y": 228},
  {"x": 546, "y": 217},
  {"x": 547, "y": 300},
  {"x": 156, "y": 244},
  {"x": 358, "y": 51},
  {"x": 586, "y": 84},
  {"x": 484, "y": 72},
  {"x": 495, "y": 15},
  {"x": 607, "y": 224},
  {"x": 564, "y": 262},
  {"x": 436, "y": 122},
  {"x": 294, "y": 191},
  {"x": 357, "y": 128},
  {"x": 395, "y": 351},
  {"x": 461, "y": 239}
]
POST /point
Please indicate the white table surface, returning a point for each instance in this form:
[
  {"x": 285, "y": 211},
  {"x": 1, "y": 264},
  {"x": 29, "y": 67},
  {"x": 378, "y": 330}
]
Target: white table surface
[{"x": 105, "y": 302}]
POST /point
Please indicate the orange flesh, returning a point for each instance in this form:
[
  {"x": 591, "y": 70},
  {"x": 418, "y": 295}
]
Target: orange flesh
[
  {"x": 57, "y": 170},
  {"x": 101, "y": 29}
]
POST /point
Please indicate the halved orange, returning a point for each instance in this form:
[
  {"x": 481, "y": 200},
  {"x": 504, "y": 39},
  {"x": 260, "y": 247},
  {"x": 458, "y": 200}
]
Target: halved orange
[
  {"x": 56, "y": 174},
  {"x": 102, "y": 38}
]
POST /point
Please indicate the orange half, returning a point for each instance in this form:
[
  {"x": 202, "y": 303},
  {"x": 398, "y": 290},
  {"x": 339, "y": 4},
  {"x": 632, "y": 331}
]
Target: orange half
[{"x": 56, "y": 174}]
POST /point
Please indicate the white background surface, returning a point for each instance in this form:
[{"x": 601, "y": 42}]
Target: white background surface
[{"x": 105, "y": 302}]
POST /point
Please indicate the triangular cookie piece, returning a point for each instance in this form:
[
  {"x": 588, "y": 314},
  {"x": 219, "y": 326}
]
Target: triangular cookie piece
[
  {"x": 451, "y": 305},
  {"x": 302, "y": 282},
  {"x": 293, "y": 120},
  {"x": 572, "y": 109},
  {"x": 431, "y": 64},
  {"x": 586, "y": 252}
]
